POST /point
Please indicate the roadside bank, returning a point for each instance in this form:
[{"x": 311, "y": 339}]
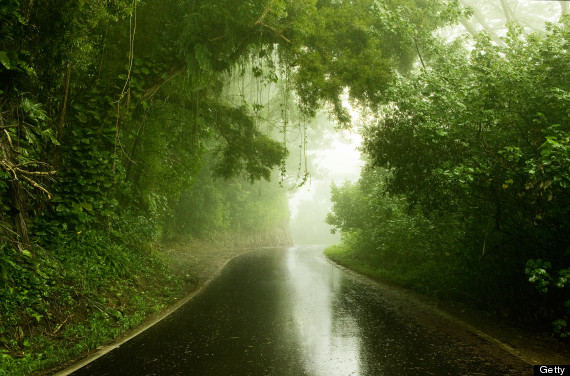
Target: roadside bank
[
  {"x": 533, "y": 348},
  {"x": 190, "y": 265}
]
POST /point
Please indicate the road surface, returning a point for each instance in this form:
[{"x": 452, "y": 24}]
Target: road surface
[{"x": 291, "y": 312}]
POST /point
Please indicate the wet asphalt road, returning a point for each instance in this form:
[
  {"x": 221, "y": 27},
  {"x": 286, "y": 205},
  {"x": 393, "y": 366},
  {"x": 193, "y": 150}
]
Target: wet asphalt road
[{"x": 290, "y": 312}]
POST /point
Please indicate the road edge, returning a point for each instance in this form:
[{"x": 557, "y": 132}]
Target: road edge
[
  {"x": 431, "y": 305},
  {"x": 130, "y": 334}
]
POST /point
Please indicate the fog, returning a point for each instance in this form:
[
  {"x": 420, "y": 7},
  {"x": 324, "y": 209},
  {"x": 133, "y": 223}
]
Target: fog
[
  {"x": 337, "y": 160},
  {"x": 332, "y": 154}
]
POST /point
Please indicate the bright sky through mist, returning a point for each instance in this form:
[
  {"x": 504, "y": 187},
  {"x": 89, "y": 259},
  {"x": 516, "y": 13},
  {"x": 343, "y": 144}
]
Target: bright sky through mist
[{"x": 338, "y": 163}]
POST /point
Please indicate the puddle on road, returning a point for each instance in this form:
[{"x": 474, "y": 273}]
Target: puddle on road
[{"x": 329, "y": 338}]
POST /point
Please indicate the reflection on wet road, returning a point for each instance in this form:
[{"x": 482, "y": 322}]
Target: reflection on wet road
[{"x": 290, "y": 312}]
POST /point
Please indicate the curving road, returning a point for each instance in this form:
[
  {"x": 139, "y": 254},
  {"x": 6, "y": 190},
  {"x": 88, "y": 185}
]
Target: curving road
[{"x": 290, "y": 312}]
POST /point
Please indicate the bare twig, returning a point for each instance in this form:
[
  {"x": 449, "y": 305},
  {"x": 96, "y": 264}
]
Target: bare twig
[
  {"x": 9, "y": 167},
  {"x": 33, "y": 163},
  {"x": 133, "y": 27},
  {"x": 9, "y": 139},
  {"x": 9, "y": 229},
  {"x": 61, "y": 325},
  {"x": 36, "y": 185},
  {"x": 37, "y": 173},
  {"x": 217, "y": 38}
]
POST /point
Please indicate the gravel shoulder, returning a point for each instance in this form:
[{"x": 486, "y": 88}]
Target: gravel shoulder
[{"x": 197, "y": 262}]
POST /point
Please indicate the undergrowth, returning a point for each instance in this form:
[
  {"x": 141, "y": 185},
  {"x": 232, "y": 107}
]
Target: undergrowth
[
  {"x": 428, "y": 277},
  {"x": 55, "y": 306}
]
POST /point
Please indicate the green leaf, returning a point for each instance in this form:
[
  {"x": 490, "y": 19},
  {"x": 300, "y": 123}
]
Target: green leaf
[
  {"x": 5, "y": 60},
  {"x": 81, "y": 117}
]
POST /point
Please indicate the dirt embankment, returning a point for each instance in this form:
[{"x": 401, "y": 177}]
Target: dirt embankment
[{"x": 196, "y": 262}]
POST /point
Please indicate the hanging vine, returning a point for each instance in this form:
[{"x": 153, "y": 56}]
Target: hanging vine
[{"x": 126, "y": 90}]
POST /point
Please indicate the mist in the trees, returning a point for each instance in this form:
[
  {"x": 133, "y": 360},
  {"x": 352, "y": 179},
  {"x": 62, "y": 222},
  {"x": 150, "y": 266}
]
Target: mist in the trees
[
  {"x": 128, "y": 125},
  {"x": 465, "y": 191},
  {"x": 492, "y": 17},
  {"x": 332, "y": 157}
]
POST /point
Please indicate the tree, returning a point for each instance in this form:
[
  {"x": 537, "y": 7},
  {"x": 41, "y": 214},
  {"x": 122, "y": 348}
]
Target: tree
[
  {"x": 493, "y": 17},
  {"x": 109, "y": 111},
  {"x": 481, "y": 136}
]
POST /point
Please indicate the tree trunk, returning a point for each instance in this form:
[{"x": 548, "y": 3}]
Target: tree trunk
[
  {"x": 19, "y": 215},
  {"x": 16, "y": 194},
  {"x": 64, "y": 106}
]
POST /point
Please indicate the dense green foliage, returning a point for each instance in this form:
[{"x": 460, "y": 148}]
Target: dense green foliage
[
  {"x": 127, "y": 123},
  {"x": 466, "y": 193},
  {"x": 116, "y": 127}
]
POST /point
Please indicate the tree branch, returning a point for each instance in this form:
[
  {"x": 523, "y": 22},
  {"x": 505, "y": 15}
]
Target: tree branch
[
  {"x": 277, "y": 32},
  {"x": 419, "y": 53},
  {"x": 29, "y": 10},
  {"x": 37, "y": 186},
  {"x": 264, "y": 13},
  {"x": 36, "y": 173},
  {"x": 150, "y": 92}
]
